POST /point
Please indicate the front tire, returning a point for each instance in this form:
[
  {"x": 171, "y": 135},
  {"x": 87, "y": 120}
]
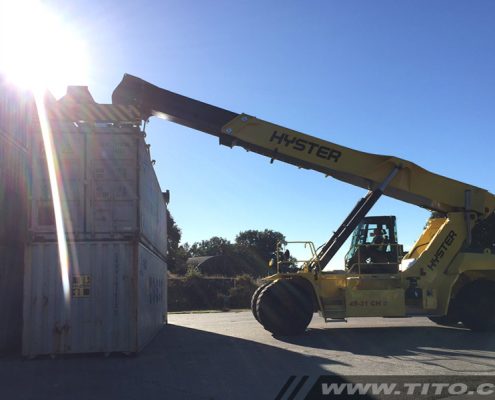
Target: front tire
[
  {"x": 284, "y": 308},
  {"x": 254, "y": 299}
]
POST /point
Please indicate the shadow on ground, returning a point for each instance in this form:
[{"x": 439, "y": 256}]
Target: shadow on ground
[
  {"x": 181, "y": 363},
  {"x": 401, "y": 341}
]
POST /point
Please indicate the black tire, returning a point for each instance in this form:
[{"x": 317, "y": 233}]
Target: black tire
[
  {"x": 444, "y": 320},
  {"x": 476, "y": 303},
  {"x": 254, "y": 299},
  {"x": 452, "y": 317},
  {"x": 284, "y": 308}
]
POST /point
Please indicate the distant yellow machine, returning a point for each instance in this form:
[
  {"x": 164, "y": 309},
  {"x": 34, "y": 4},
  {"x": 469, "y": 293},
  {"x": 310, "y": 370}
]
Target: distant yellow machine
[{"x": 448, "y": 275}]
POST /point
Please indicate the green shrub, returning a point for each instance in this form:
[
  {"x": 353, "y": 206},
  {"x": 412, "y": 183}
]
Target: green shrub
[
  {"x": 197, "y": 292},
  {"x": 240, "y": 295}
]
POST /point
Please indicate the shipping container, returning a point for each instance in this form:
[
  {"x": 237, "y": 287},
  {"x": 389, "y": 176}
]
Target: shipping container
[
  {"x": 117, "y": 300},
  {"x": 11, "y": 283},
  {"x": 108, "y": 185},
  {"x": 14, "y": 183}
]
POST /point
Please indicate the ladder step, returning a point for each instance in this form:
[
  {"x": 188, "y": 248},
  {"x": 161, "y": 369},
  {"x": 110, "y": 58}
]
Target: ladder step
[{"x": 333, "y": 311}]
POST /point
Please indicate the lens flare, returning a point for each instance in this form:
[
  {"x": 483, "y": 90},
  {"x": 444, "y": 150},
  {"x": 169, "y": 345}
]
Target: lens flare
[
  {"x": 52, "y": 165},
  {"x": 39, "y": 49}
]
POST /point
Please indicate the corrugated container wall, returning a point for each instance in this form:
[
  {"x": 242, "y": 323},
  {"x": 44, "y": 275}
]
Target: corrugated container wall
[
  {"x": 17, "y": 122},
  {"x": 11, "y": 278},
  {"x": 117, "y": 300},
  {"x": 109, "y": 187}
]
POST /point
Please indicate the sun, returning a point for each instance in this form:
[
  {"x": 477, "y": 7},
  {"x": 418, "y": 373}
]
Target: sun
[{"x": 39, "y": 49}]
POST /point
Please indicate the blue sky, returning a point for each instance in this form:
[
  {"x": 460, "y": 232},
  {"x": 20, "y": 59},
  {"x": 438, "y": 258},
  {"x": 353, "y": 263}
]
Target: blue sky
[{"x": 414, "y": 79}]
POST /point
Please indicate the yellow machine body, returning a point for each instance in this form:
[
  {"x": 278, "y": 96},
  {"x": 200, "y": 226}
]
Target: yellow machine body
[{"x": 453, "y": 260}]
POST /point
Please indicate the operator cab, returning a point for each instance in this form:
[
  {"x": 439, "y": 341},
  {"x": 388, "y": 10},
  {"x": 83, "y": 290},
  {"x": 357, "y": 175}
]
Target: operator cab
[{"x": 374, "y": 248}]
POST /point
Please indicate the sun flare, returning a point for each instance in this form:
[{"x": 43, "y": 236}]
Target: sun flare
[{"x": 38, "y": 49}]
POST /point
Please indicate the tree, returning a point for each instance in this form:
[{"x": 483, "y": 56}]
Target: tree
[
  {"x": 214, "y": 246},
  {"x": 262, "y": 242},
  {"x": 176, "y": 254}
]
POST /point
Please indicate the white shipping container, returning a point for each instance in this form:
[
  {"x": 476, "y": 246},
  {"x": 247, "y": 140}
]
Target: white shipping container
[
  {"x": 110, "y": 190},
  {"x": 117, "y": 302}
]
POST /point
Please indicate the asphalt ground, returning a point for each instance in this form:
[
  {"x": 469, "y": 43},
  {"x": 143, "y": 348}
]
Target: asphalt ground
[{"x": 230, "y": 356}]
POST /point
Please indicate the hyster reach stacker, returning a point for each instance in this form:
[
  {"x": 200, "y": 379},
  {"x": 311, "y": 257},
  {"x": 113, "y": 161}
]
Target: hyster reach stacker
[{"x": 448, "y": 275}]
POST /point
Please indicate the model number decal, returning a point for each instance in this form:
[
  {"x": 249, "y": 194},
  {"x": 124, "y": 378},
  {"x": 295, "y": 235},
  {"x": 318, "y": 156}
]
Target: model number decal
[
  {"x": 442, "y": 250},
  {"x": 305, "y": 146}
]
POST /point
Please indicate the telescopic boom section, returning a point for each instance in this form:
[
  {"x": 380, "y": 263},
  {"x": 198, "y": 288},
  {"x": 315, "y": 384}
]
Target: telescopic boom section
[{"x": 411, "y": 184}]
